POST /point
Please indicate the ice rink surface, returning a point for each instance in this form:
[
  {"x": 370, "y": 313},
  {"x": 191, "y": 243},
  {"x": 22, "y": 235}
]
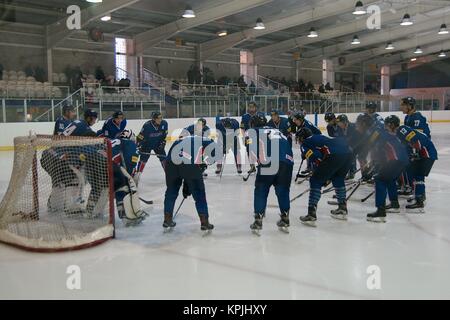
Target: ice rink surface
[{"x": 412, "y": 252}]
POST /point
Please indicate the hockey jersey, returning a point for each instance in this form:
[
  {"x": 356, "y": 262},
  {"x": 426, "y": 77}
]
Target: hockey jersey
[
  {"x": 262, "y": 146},
  {"x": 310, "y": 126},
  {"x": 60, "y": 125},
  {"x": 418, "y": 141},
  {"x": 385, "y": 147},
  {"x": 334, "y": 131},
  {"x": 151, "y": 135},
  {"x": 192, "y": 150},
  {"x": 318, "y": 147},
  {"x": 245, "y": 121},
  {"x": 283, "y": 125},
  {"x": 79, "y": 128},
  {"x": 111, "y": 130},
  {"x": 191, "y": 129},
  {"x": 124, "y": 153},
  {"x": 418, "y": 122}
]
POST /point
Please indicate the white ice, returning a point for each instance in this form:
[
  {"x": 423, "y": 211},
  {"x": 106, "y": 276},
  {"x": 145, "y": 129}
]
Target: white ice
[{"x": 330, "y": 261}]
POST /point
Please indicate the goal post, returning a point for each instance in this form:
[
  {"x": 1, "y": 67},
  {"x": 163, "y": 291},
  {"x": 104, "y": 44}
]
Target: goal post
[{"x": 60, "y": 195}]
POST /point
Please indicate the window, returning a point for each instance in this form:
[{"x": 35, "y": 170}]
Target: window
[{"x": 121, "y": 58}]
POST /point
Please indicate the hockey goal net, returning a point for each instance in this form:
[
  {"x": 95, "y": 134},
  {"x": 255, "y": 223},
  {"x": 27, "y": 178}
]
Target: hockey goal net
[{"x": 60, "y": 196}]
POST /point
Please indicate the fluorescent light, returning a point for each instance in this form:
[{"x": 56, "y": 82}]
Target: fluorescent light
[
  {"x": 390, "y": 46},
  {"x": 313, "y": 33},
  {"x": 442, "y": 54},
  {"x": 188, "y": 13},
  {"x": 359, "y": 8},
  {"x": 413, "y": 59},
  {"x": 106, "y": 18},
  {"x": 355, "y": 40},
  {"x": 222, "y": 33},
  {"x": 94, "y": 1},
  {"x": 443, "y": 29},
  {"x": 259, "y": 25},
  {"x": 418, "y": 50},
  {"x": 406, "y": 20}
]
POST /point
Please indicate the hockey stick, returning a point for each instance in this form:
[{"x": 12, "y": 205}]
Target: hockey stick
[
  {"x": 358, "y": 184},
  {"x": 224, "y": 160},
  {"x": 352, "y": 184},
  {"x": 179, "y": 207},
  {"x": 366, "y": 198},
  {"x": 301, "y": 194},
  {"x": 298, "y": 172}
]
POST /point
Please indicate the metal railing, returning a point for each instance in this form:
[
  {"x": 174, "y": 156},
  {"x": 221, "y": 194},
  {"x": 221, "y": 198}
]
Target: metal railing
[{"x": 55, "y": 110}]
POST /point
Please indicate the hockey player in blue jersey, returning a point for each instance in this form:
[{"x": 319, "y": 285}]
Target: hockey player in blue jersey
[
  {"x": 413, "y": 118},
  {"x": 348, "y": 131},
  {"x": 331, "y": 159},
  {"x": 152, "y": 137},
  {"x": 389, "y": 158},
  {"x": 371, "y": 110},
  {"x": 333, "y": 129},
  {"x": 186, "y": 160},
  {"x": 301, "y": 122},
  {"x": 199, "y": 128},
  {"x": 252, "y": 109},
  {"x": 273, "y": 153},
  {"x": 63, "y": 122},
  {"x": 114, "y": 126},
  {"x": 280, "y": 123},
  {"x": 82, "y": 127},
  {"x": 228, "y": 139},
  {"x": 422, "y": 156}
]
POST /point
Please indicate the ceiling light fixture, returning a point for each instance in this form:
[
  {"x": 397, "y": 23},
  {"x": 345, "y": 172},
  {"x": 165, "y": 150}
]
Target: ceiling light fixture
[
  {"x": 418, "y": 50},
  {"x": 355, "y": 40},
  {"x": 188, "y": 12},
  {"x": 313, "y": 33},
  {"x": 222, "y": 33},
  {"x": 443, "y": 29},
  {"x": 359, "y": 8},
  {"x": 442, "y": 54},
  {"x": 390, "y": 46},
  {"x": 259, "y": 25},
  {"x": 106, "y": 18},
  {"x": 406, "y": 20}
]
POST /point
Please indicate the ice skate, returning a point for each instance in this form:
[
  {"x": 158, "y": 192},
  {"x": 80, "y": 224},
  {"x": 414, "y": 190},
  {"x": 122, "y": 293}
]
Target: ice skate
[
  {"x": 205, "y": 226},
  {"x": 283, "y": 223},
  {"x": 252, "y": 169},
  {"x": 239, "y": 169},
  {"x": 218, "y": 169},
  {"x": 257, "y": 225},
  {"x": 393, "y": 207},
  {"x": 377, "y": 216},
  {"x": 168, "y": 224},
  {"x": 341, "y": 212},
  {"x": 405, "y": 192},
  {"x": 417, "y": 207},
  {"x": 311, "y": 218}
]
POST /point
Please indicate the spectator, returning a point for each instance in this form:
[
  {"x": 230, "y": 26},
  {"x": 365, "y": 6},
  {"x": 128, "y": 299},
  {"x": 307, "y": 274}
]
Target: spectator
[
  {"x": 328, "y": 87},
  {"x": 1, "y": 71},
  {"x": 252, "y": 88},
  {"x": 99, "y": 74},
  {"x": 322, "y": 88}
]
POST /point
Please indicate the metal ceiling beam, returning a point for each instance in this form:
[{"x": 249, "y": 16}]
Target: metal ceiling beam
[
  {"x": 214, "y": 11},
  {"x": 58, "y": 31},
  {"x": 422, "y": 23},
  {"x": 433, "y": 49},
  {"x": 403, "y": 45},
  {"x": 330, "y": 33},
  {"x": 329, "y": 9}
]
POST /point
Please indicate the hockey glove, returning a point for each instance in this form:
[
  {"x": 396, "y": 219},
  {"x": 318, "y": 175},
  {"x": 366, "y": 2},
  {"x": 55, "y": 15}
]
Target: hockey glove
[{"x": 186, "y": 191}]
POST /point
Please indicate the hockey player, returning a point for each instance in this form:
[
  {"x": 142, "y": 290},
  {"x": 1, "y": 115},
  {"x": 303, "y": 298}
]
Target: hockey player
[
  {"x": 82, "y": 128},
  {"x": 333, "y": 129},
  {"x": 114, "y": 126},
  {"x": 389, "y": 158},
  {"x": 264, "y": 142},
  {"x": 423, "y": 155},
  {"x": 348, "y": 131},
  {"x": 151, "y": 138},
  {"x": 185, "y": 161},
  {"x": 413, "y": 118},
  {"x": 228, "y": 140},
  {"x": 252, "y": 109},
  {"x": 199, "y": 128},
  {"x": 125, "y": 157},
  {"x": 331, "y": 159},
  {"x": 281, "y": 124},
  {"x": 301, "y": 122},
  {"x": 62, "y": 122},
  {"x": 417, "y": 121},
  {"x": 371, "y": 110}
]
